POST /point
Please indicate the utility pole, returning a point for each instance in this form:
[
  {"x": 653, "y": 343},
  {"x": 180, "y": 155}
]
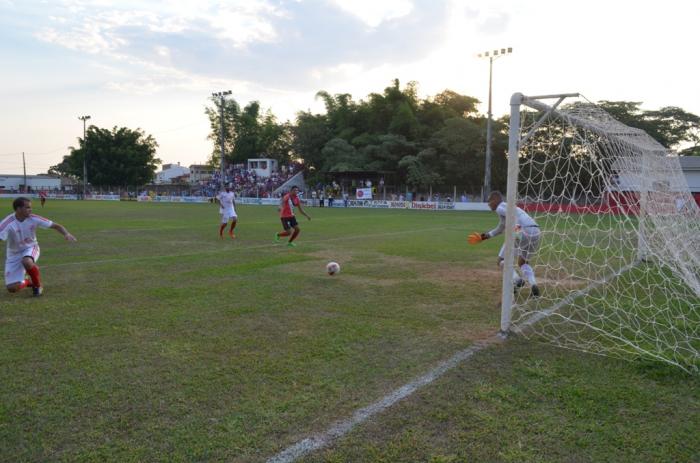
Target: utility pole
[
  {"x": 492, "y": 56},
  {"x": 24, "y": 165},
  {"x": 85, "y": 178},
  {"x": 222, "y": 101}
]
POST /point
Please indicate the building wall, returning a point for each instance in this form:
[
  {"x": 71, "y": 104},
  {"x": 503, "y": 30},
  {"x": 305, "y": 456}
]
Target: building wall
[
  {"x": 263, "y": 167},
  {"x": 693, "y": 179},
  {"x": 35, "y": 182},
  {"x": 171, "y": 171},
  {"x": 200, "y": 173}
]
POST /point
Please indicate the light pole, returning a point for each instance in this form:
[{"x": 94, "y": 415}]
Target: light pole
[
  {"x": 492, "y": 56},
  {"x": 85, "y": 179},
  {"x": 222, "y": 100}
]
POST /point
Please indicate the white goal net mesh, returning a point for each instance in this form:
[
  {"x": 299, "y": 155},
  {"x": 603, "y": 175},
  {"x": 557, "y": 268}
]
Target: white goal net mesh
[{"x": 619, "y": 260}]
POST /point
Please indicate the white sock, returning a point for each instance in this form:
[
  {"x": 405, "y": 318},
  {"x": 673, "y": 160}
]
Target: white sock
[
  {"x": 516, "y": 276},
  {"x": 529, "y": 273}
]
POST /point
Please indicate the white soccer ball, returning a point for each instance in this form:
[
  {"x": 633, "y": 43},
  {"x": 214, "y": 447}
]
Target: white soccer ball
[{"x": 332, "y": 268}]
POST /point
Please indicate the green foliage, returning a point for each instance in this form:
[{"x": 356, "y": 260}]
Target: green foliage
[
  {"x": 120, "y": 156},
  {"x": 227, "y": 111},
  {"x": 404, "y": 121},
  {"x": 419, "y": 171},
  {"x": 248, "y": 133},
  {"x": 386, "y": 131},
  {"x": 309, "y": 135},
  {"x": 340, "y": 155},
  {"x": 671, "y": 126},
  {"x": 460, "y": 144}
]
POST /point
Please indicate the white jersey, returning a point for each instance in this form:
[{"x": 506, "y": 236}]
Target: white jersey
[
  {"x": 226, "y": 200},
  {"x": 21, "y": 236},
  {"x": 226, "y": 209},
  {"x": 522, "y": 221}
]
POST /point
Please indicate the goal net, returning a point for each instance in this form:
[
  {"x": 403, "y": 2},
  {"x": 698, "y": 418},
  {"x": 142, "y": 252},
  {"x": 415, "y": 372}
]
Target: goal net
[{"x": 618, "y": 265}]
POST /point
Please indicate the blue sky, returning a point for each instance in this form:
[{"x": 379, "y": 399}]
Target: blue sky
[{"x": 153, "y": 64}]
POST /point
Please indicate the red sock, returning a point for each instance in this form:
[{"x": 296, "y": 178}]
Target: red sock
[
  {"x": 294, "y": 235},
  {"x": 24, "y": 284},
  {"x": 284, "y": 233},
  {"x": 34, "y": 275},
  {"x": 230, "y": 230},
  {"x": 221, "y": 229}
]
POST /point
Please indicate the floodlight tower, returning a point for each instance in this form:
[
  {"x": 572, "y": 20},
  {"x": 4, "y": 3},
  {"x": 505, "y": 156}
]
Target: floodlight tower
[
  {"x": 222, "y": 100},
  {"x": 492, "y": 56},
  {"x": 85, "y": 178}
]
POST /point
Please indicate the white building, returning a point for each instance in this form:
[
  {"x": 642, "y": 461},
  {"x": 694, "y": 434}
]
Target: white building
[
  {"x": 631, "y": 180},
  {"x": 262, "y": 167},
  {"x": 171, "y": 172},
  {"x": 691, "y": 169},
  {"x": 15, "y": 183},
  {"x": 200, "y": 173}
]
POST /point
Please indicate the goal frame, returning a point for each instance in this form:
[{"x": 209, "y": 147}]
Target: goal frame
[{"x": 514, "y": 142}]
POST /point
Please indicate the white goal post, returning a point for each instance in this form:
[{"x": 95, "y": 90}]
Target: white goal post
[{"x": 618, "y": 265}]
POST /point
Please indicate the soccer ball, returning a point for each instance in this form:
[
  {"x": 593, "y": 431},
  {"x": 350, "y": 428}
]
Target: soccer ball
[{"x": 332, "y": 268}]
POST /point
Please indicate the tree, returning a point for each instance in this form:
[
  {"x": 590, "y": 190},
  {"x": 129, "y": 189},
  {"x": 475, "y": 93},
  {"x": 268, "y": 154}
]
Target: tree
[
  {"x": 671, "y": 126},
  {"x": 117, "y": 157},
  {"x": 247, "y": 134},
  {"x": 460, "y": 147},
  {"x": 275, "y": 140},
  {"x": 455, "y": 105},
  {"x": 309, "y": 135},
  {"x": 420, "y": 169},
  {"x": 404, "y": 121},
  {"x": 231, "y": 113},
  {"x": 341, "y": 156}
]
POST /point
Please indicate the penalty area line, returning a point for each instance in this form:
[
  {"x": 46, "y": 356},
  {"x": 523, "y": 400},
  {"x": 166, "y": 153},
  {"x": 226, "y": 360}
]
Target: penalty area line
[{"x": 340, "y": 428}]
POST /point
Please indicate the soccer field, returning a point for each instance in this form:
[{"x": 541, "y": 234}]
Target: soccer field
[{"x": 157, "y": 341}]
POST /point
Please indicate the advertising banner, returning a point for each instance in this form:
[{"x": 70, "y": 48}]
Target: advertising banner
[{"x": 363, "y": 193}]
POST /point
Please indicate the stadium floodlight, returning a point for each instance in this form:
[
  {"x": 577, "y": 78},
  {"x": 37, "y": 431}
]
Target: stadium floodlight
[
  {"x": 222, "y": 99},
  {"x": 619, "y": 257},
  {"x": 85, "y": 177},
  {"x": 492, "y": 56}
]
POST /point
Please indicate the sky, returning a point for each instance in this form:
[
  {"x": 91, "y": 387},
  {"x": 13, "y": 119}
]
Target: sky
[{"x": 153, "y": 65}]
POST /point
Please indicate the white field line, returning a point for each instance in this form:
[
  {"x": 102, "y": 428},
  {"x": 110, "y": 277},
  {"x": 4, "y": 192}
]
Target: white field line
[
  {"x": 340, "y": 428},
  {"x": 219, "y": 251}
]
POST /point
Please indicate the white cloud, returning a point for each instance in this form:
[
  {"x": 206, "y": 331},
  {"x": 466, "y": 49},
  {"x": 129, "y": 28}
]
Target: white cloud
[
  {"x": 89, "y": 38},
  {"x": 375, "y": 12},
  {"x": 162, "y": 51},
  {"x": 246, "y": 24},
  {"x": 100, "y": 28}
]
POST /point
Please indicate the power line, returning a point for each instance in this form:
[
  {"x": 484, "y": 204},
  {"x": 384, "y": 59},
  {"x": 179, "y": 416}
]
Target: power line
[{"x": 46, "y": 153}]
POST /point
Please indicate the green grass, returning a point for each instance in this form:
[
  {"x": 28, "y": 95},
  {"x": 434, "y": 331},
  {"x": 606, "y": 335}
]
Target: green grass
[{"x": 156, "y": 341}]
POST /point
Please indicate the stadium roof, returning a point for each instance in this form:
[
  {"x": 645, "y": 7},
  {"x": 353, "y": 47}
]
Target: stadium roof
[
  {"x": 689, "y": 162},
  {"x": 28, "y": 176}
]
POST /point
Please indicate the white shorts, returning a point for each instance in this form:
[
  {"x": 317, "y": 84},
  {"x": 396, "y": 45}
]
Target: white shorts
[
  {"x": 14, "y": 270},
  {"x": 228, "y": 214},
  {"x": 525, "y": 246}
]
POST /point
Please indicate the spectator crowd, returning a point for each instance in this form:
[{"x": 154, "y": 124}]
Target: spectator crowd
[{"x": 247, "y": 183}]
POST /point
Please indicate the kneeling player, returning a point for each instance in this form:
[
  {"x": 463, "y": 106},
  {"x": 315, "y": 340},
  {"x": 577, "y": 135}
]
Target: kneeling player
[{"x": 19, "y": 230}]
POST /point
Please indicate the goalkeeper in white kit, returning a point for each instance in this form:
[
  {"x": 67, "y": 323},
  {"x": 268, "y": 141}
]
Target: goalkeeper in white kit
[{"x": 527, "y": 240}]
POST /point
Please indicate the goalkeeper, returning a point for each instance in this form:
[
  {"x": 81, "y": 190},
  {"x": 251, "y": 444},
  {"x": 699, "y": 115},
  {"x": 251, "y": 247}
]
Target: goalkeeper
[{"x": 527, "y": 240}]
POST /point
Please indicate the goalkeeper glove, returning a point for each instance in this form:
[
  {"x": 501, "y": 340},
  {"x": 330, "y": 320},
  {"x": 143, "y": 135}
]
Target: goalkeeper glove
[{"x": 477, "y": 237}]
